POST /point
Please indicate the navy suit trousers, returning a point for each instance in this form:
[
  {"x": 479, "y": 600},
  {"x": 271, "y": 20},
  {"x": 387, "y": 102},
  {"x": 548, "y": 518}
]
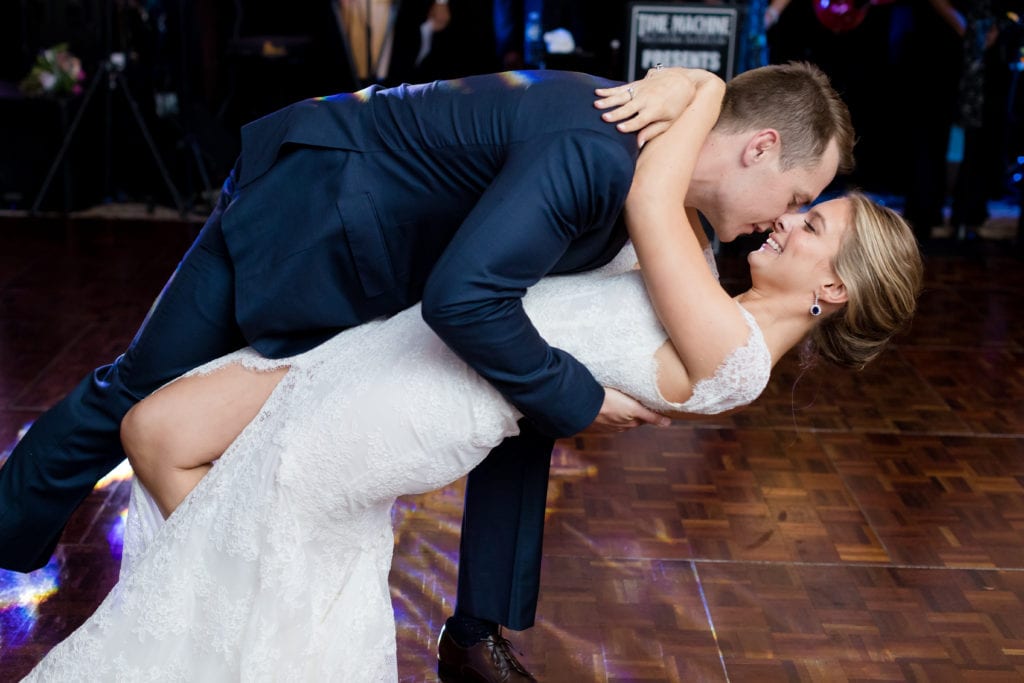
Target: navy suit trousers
[{"x": 75, "y": 443}]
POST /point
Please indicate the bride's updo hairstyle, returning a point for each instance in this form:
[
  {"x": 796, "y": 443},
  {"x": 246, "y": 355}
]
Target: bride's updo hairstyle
[{"x": 880, "y": 265}]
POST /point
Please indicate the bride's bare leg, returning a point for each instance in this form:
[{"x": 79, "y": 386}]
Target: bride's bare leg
[{"x": 172, "y": 436}]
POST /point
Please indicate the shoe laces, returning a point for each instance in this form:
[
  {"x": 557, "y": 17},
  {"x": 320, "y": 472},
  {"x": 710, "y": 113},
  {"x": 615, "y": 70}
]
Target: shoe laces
[{"x": 503, "y": 657}]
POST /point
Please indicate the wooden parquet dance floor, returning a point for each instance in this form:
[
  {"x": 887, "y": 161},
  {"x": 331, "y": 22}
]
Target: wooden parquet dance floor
[{"x": 847, "y": 527}]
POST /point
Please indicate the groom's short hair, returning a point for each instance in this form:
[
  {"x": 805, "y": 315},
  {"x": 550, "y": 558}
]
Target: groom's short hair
[{"x": 797, "y": 100}]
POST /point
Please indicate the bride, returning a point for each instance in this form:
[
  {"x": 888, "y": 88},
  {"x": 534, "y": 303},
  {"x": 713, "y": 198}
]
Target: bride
[{"x": 259, "y": 535}]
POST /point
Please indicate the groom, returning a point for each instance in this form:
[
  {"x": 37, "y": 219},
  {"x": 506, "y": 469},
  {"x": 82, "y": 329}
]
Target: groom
[
  {"x": 347, "y": 208},
  {"x": 781, "y": 136}
]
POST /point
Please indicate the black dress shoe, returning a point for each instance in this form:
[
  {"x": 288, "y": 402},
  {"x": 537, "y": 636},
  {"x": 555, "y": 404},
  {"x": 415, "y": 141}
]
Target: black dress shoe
[{"x": 488, "y": 661}]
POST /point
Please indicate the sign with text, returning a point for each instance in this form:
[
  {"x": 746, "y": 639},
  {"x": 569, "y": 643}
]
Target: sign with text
[{"x": 691, "y": 36}]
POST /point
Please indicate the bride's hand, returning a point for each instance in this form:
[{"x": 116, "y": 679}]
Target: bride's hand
[
  {"x": 620, "y": 412},
  {"x": 649, "y": 105}
]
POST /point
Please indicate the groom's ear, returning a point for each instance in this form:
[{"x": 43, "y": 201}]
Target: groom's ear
[{"x": 761, "y": 146}]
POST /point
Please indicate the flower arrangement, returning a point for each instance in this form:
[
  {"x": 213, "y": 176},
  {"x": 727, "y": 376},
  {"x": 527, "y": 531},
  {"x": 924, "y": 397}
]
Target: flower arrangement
[{"x": 56, "y": 73}]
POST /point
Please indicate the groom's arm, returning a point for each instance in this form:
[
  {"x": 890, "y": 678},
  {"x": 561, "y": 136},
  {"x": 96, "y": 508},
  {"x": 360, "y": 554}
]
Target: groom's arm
[{"x": 549, "y": 191}]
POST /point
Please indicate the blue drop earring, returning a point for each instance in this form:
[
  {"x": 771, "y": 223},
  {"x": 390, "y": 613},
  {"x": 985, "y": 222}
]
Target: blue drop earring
[{"x": 815, "y": 308}]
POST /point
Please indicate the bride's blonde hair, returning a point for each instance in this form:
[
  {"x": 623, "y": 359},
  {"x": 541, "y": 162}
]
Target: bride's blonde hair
[{"x": 880, "y": 264}]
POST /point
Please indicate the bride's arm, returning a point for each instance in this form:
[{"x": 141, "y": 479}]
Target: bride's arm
[{"x": 702, "y": 321}]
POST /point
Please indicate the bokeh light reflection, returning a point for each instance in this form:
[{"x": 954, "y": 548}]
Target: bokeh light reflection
[
  {"x": 21, "y": 594},
  {"x": 20, "y": 597}
]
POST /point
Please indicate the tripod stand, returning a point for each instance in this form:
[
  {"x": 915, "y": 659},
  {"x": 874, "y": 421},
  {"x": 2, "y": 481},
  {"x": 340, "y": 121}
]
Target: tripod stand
[{"x": 113, "y": 70}]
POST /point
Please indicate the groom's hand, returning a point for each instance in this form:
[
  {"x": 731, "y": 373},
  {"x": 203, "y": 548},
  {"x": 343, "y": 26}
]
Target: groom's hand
[{"x": 620, "y": 412}]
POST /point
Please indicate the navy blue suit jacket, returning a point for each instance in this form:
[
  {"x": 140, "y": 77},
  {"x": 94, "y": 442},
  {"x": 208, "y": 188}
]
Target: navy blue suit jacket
[{"x": 458, "y": 193}]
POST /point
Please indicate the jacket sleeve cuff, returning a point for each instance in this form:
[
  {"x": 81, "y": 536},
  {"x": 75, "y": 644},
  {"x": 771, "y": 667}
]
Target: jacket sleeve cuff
[{"x": 587, "y": 404}]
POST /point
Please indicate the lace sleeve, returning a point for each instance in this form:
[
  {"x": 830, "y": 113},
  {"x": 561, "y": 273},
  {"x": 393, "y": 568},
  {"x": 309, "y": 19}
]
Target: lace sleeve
[{"x": 739, "y": 380}]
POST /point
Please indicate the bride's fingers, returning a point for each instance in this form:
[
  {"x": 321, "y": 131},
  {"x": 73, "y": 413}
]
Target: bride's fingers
[
  {"x": 634, "y": 123},
  {"x": 622, "y": 113},
  {"x": 614, "y": 90},
  {"x": 613, "y": 97},
  {"x": 643, "y": 106},
  {"x": 651, "y": 131}
]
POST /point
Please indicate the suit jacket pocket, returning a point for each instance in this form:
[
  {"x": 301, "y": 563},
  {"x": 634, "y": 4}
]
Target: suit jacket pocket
[{"x": 361, "y": 224}]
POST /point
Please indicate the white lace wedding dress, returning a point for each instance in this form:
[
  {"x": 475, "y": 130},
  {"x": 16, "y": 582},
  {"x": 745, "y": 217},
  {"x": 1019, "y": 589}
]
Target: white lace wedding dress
[{"x": 275, "y": 568}]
